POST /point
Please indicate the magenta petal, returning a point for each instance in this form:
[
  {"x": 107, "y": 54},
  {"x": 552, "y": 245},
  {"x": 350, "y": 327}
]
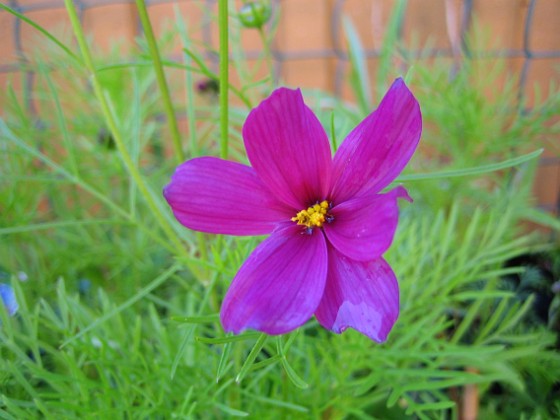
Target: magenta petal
[
  {"x": 279, "y": 286},
  {"x": 288, "y": 148},
  {"x": 218, "y": 196},
  {"x": 359, "y": 295},
  {"x": 378, "y": 149},
  {"x": 363, "y": 227}
]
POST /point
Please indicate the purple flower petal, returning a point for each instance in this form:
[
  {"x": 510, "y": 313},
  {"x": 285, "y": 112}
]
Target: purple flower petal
[
  {"x": 280, "y": 285},
  {"x": 8, "y": 298},
  {"x": 378, "y": 149},
  {"x": 218, "y": 196},
  {"x": 289, "y": 149},
  {"x": 359, "y": 295},
  {"x": 363, "y": 227}
]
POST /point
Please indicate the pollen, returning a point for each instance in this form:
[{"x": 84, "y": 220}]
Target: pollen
[{"x": 314, "y": 216}]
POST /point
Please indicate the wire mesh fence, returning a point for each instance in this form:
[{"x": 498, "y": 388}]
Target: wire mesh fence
[{"x": 310, "y": 50}]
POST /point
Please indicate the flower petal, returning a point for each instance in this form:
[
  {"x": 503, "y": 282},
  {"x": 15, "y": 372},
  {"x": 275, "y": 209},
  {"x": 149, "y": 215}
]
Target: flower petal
[
  {"x": 8, "y": 298},
  {"x": 218, "y": 196},
  {"x": 363, "y": 227},
  {"x": 288, "y": 148},
  {"x": 378, "y": 149},
  {"x": 359, "y": 295},
  {"x": 280, "y": 285}
]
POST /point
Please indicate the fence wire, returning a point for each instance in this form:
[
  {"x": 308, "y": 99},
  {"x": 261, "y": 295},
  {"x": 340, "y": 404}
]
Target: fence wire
[{"x": 281, "y": 56}]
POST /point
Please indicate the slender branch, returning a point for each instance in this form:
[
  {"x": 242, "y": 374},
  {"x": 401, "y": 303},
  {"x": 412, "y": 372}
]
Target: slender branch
[
  {"x": 224, "y": 76},
  {"x": 162, "y": 82}
]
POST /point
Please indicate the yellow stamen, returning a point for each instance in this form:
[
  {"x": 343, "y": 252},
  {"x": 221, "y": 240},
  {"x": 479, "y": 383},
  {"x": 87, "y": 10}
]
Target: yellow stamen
[{"x": 313, "y": 216}]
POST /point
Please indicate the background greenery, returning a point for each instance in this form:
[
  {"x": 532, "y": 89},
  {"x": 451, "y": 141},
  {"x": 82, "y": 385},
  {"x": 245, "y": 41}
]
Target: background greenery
[{"x": 118, "y": 314}]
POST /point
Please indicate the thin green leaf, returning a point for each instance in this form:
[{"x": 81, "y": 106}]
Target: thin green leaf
[
  {"x": 394, "y": 396},
  {"x": 391, "y": 37},
  {"x": 227, "y": 339},
  {"x": 251, "y": 357},
  {"x": 201, "y": 65},
  {"x": 223, "y": 361},
  {"x": 292, "y": 375},
  {"x": 134, "y": 64},
  {"x": 231, "y": 411},
  {"x": 359, "y": 78},
  {"x": 203, "y": 319},
  {"x": 187, "y": 337},
  {"x": 40, "y": 29},
  {"x": 479, "y": 170},
  {"x": 266, "y": 362},
  {"x": 290, "y": 340},
  {"x": 333, "y": 135},
  {"x": 432, "y": 406},
  {"x": 61, "y": 224},
  {"x": 541, "y": 217},
  {"x": 277, "y": 403}
]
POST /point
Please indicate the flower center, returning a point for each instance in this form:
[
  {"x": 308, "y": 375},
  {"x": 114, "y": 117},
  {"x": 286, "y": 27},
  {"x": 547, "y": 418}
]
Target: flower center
[{"x": 314, "y": 216}]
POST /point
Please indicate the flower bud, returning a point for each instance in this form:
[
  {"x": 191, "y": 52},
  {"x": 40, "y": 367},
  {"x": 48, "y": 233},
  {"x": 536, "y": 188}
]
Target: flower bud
[
  {"x": 254, "y": 14},
  {"x": 208, "y": 86}
]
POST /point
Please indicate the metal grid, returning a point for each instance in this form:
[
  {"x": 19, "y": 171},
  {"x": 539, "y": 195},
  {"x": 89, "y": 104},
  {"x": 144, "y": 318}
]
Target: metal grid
[{"x": 337, "y": 51}]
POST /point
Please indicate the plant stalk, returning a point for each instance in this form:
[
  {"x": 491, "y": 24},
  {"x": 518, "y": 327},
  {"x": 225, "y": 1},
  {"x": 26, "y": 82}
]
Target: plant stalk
[
  {"x": 224, "y": 76},
  {"x": 162, "y": 82}
]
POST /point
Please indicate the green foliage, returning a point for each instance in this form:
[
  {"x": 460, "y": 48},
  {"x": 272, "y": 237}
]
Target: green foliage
[{"x": 118, "y": 315}]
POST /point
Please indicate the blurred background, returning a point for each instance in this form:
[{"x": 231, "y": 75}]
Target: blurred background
[
  {"x": 113, "y": 305},
  {"x": 310, "y": 49}
]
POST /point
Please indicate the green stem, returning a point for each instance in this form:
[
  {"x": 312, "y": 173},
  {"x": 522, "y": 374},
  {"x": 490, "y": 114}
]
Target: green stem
[
  {"x": 111, "y": 123},
  {"x": 224, "y": 76},
  {"x": 162, "y": 83},
  {"x": 191, "y": 116},
  {"x": 267, "y": 55}
]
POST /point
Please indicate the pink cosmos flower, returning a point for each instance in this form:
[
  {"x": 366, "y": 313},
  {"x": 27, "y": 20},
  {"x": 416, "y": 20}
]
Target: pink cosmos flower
[{"x": 328, "y": 221}]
